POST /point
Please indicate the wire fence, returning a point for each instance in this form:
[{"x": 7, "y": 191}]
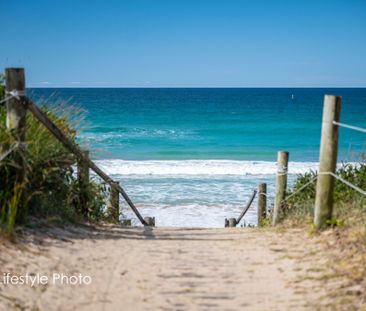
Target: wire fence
[
  {"x": 349, "y": 184},
  {"x": 351, "y": 127},
  {"x": 301, "y": 188}
]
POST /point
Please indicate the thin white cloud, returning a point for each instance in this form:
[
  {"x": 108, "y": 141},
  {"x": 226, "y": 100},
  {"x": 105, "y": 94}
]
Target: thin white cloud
[{"x": 44, "y": 82}]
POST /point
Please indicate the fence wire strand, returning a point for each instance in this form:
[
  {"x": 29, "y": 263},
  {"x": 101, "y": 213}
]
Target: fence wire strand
[
  {"x": 13, "y": 94},
  {"x": 5, "y": 154},
  {"x": 352, "y": 127},
  {"x": 349, "y": 184},
  {"x": 301, "y": 188},
  {"x": 5, "y": 100}
]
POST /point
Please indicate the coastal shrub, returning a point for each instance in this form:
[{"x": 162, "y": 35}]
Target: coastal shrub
[
  {"x": 50, "y": 189},
  {"x": 301, "y": 204}
]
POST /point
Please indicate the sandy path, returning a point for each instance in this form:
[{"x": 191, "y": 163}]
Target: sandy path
[{"x": 157, "y": 269}]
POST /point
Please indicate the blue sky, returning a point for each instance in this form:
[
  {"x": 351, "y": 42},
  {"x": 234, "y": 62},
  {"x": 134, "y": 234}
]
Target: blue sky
[{"x": 186, "y": 43}]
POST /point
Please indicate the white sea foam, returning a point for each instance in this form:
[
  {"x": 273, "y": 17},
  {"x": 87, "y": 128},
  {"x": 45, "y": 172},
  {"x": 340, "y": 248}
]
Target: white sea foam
[
  {"x": 199, "y": 167},
  {"x": 195, "y": 193},
  {"x": 193, "y": 215}
]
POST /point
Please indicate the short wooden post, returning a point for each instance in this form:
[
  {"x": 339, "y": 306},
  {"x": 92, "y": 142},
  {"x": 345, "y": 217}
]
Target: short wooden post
[
  {"x": 262, "y": 203},
  {"x": 328, "y": 161},
  {"x": 83, "y": 179},
  {"x": 113, "y": 204},
  {"x": 281, "y": 184},
  {"x": 150, "y": 221},
  {"x": 232, "y": 222},
  {"x": 226, "y": 222},
  {"x": 83, "y": 169}
]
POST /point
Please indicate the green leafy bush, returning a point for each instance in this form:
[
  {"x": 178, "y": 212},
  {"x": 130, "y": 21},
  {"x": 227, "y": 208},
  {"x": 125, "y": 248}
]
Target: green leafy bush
[{"x": 301, "y": 204}]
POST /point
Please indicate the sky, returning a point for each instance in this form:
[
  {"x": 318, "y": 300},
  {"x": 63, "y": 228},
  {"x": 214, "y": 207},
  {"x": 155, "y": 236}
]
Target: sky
[{"x": 186, "y": 43}]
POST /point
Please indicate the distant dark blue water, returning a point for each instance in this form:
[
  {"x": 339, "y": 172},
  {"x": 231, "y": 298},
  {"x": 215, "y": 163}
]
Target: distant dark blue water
[
  {"x": 188, "y": 151},
  {"x": 240, "y": 124}
]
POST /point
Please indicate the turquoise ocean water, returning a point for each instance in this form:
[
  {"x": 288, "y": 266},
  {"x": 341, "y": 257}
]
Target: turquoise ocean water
[{"x": 191, "y": 157}]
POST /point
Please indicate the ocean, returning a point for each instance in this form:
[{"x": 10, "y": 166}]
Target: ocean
[{"x": 192, "y": 157}]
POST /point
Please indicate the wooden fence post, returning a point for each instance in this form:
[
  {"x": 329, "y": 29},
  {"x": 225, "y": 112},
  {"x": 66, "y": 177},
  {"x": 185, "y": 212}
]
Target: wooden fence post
[
  {"x": 16, "y": 112},
  {"x": 231, "y": 222},
  {"x": 150, "y": 221},
  {"x": 262, "y": 203},
  {"x": 83, "y": 178},
  {"x": 83, "y": 169},
  {"x": 281, "y": 184},
  {"x": 16, "y": 116},
  {"x": 328, "y": 161},
  {"x": 113, "y": 204}
]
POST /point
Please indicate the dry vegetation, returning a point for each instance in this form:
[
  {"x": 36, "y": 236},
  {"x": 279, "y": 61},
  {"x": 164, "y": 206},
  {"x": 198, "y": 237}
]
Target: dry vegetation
[{"x": 338, "y": 257}]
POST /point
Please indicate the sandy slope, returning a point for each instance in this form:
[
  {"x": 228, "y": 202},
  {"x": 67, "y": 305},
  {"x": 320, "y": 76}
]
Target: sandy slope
[{"x": 160, "y": 269}]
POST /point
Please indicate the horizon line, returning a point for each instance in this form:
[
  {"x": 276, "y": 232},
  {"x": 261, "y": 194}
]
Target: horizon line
[{"x": 196, "y": 87}]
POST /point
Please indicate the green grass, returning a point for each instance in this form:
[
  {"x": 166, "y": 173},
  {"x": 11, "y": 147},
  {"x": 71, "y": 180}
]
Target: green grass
[
  {"x": 49, "y": 187},
  {"x": 300, "y": 207},
  {"x": 341, "y": 250}
]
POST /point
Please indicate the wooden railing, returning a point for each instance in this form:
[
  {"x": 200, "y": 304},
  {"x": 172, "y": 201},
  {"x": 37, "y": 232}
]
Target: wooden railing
[{"x": 17, "y": 106}]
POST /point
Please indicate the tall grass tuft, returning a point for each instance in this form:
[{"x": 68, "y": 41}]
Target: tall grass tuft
[
  {"x": 346, "y": 199},
  {"x": 50, "y": 189}
]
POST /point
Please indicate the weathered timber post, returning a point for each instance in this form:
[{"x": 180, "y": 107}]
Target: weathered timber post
[
  {"x": 226, "y": 222},
  {"x": 232, "y": 222},
  {"x": 262, "y": 203},
  {"x": 16, "y": 112},
  {"x": 150, "y": 221},
  {"x": 281, "y": 184},
  {"x": 83, "y": 179},
  {"x": 83, "y": 169},
  {"x": 16, "y": 116},
  {"x": 113, "y": 204},
  {"x": 328, "y": 161}
]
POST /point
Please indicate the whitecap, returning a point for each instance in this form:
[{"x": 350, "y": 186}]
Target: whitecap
[{"x": 199, "y": 167}]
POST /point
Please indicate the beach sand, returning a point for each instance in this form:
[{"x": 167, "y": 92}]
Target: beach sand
[{"x": 161, "y": 269}]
